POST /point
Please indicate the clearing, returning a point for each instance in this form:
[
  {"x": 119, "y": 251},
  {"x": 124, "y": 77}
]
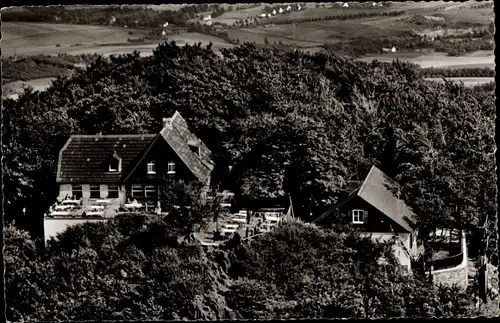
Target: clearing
[
  {"x": 479, "y": 59},
  {"x": 13, "y": 89}
]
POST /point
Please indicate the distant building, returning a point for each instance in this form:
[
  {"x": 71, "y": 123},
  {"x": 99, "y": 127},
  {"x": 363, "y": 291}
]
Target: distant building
[
  {"x": 263, "y": 15},
  {"x": 274, "y": 12},
  {"x": 163, "y": 33},
  {"x": 393, "y": 50},
  {"x": 288, "y": 8},
  {"x": 207, "y": 17},
  {"x": 112, "y": 20},
  {"x": 299, "y": 7},
  {"x": 165, "y": 24},
  {"x": 281, "y": 10},
  {"x": 268, "y": 15},
  {"x": 208, "y": 23},
  {"x": 345, "y": 5}
]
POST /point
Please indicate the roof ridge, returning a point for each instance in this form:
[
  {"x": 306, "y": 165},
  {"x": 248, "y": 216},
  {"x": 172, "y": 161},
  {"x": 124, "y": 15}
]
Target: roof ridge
[{"x": 366, "y": 178}]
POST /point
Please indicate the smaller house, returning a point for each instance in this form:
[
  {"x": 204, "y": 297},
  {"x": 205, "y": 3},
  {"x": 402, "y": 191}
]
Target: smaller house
[
  {"x": 345, "y": 5},
  {"x": 281, "y": 10},
  {"x": 165, "y": 24},
  {"x": 288, "y": 8},
  {"x": 163, "y": 33},
  {"x": 274, "y": 12},
  {"x": 206, "y": 18},
  {"x": 268, "y": 15},
  {"x": 376, "y": 209},
  {"x": 263, "y": 15}
]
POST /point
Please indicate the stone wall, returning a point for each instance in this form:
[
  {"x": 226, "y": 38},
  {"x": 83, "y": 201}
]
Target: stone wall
[
  {"x": 458, "y": 275},
  {"x": 452, "y": 276}
]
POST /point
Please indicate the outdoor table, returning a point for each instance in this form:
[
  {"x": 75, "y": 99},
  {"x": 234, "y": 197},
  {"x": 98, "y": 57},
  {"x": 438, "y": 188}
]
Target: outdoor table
[
  {"x": 60, "y": 213},
  {"x": 95, "y": 213},
  {"x": 62, "y": 207},
  {"x": 96, "y": 207},
  {"x": 133, "y": 205},
  {"x": 71, "y": 202},
  {"x": 103, "y": 202}
]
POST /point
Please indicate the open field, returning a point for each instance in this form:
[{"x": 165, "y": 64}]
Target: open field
[
  {"x": 43, "y": 38},
  {"x": 230, "y": 17},
  {"x": 23, "y": 39},
  {"x": 468, "y": 81},
  {"x": 439, "y": 60},
  {"x": 12, "y": 90}
]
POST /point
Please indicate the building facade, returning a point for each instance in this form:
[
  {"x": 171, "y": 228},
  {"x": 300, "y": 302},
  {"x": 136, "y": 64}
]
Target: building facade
[
  {"x": 377, "y": 211},
  {"x": 120, "y": 170}
]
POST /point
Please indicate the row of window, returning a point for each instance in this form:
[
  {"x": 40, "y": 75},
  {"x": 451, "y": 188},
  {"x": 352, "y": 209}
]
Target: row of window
[
  {"x": 137, "y": 191},
  {"x": 95, "y": 191},
  {"x": 140, "y": 191},
  {"x": 114, "y": 166},
  {"x": 151, "y": 167}
]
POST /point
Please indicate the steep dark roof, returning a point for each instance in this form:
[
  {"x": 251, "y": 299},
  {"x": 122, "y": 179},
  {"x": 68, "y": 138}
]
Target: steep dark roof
[
  {"x": 379, "y": 191},
  {"x": 85, "y": 158},
  {"x": 176, "y": 133}
]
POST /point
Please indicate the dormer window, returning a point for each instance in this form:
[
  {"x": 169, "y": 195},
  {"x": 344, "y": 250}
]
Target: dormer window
[
  {"x": 151, "y": 167},
  {"x": 115, "y": 163},
  {"x": 171, "y": 168},
  {"x": 359, "y": 216}
]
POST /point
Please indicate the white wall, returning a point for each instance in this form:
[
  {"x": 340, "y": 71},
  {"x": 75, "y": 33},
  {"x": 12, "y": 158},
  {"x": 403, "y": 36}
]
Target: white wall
[
  {"x": 398, "y": 249},
  {"x": 52, "y": 227},
  {"x": 64, "y": 190}
]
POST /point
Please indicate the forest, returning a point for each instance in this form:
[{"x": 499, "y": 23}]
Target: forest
[
  {"x": 136, "y": 16},
  {"x": 134, "y": 268},
  {"x": 278, "y": 124}
]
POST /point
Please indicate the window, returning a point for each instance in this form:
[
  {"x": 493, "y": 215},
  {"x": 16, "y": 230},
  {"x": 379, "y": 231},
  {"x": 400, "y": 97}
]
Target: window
[
  {"x": 77, "y": 191},
  {"x": 95, "y": 191},
  {"x": 151, "y": 191},
  {"x": 171, "y": 168},
  {"x": 151, "y": 167},
  {"x": 114, "y": 165},
  {"x": 137, "y": 190},
  {"x": 358, "y": 216},
  {"x": 112, "y": 191}
]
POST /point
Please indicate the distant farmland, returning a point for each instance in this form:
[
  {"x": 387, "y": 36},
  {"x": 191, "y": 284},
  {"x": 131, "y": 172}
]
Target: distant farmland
[
  {"x": 468, "y": 81},
  {"x": 23, "y": 39}
]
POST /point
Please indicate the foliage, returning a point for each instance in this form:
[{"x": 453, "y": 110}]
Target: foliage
[
  {"x": 188, "y": 207},
  {"x": 344, "y": 276},
  {"x": 40, "y": 66},
  {"x": 278, "y": 123},
  {"x": 459, "y": 72},
  {"x": 133, "y": 268},
  {"x": 138, "y": 16},
  {"x": 101, "y": 270},
  {"x": 361, "y": 46}
]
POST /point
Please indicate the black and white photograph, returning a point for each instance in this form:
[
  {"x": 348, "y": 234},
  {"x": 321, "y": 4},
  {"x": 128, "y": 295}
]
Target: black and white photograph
[{"x": 249, "y": 161}]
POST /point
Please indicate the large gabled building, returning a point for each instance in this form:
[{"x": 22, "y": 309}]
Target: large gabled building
[{"x": 113, "y": 170}]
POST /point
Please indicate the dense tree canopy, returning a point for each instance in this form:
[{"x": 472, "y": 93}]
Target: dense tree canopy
[
  {"x": 278, "y": 123},
  {"x": 134, "y": 268}
]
